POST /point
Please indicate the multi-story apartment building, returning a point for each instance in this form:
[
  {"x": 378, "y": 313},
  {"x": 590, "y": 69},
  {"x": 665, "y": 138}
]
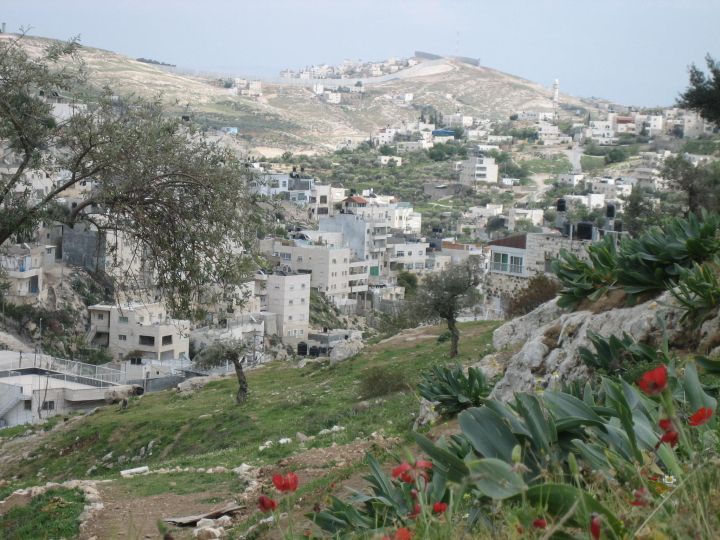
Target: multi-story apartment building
[
  {"x": 24, "y": 268},
  {"x": 138, "y": 331},
  {"x": 288, "y": 296},
  {"x": 479, "y": 170}
]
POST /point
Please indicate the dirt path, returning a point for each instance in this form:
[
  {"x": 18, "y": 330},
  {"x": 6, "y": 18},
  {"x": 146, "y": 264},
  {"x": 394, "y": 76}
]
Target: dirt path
[{"x": 133, "y": 518}]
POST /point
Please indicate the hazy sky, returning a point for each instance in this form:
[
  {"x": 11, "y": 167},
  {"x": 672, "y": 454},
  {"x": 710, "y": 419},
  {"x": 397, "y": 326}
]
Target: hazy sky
[{"x": 630, "y": 51}]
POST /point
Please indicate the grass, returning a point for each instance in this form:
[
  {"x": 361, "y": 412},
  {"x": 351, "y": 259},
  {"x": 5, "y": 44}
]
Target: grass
[
  {"x": 53, "y": 514},
  {"x": 555, "y": 164},
  {"x": 592, "y": 163},
  {"x": 207, "y": 429}
]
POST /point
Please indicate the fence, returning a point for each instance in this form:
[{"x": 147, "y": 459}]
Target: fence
[{"x": 90, "y": 374}]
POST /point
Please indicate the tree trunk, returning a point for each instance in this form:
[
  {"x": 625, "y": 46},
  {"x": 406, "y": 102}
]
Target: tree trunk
[
  {"x": 242, "y": 381},
  {"x": 454, "y": 337}
]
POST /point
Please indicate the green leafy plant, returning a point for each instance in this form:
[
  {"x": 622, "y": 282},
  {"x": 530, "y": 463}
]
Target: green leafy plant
[
  {"x": 698, "y": 291},
  {"x": 616, "y": 355},
  {"x": 587, "y": 279},
  {"x": 453, "y": 389}
]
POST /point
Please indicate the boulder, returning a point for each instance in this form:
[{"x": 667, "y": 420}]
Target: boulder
[
  {"x": 551, "y": 340},
  {"x": 191, "y": 385},
  {"x": 345, "y": 349},
  {"x": 118, "y": 393},
  {"x": 427, "y": 414}
]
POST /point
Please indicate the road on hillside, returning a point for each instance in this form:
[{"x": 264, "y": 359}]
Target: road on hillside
[{"x": 574, "y": 156}]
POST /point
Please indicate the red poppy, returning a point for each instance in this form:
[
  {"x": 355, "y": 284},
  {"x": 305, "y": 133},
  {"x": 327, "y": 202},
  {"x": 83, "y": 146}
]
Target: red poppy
[
  {"x": 266, "y": 504},
  {"x": 701, "y": 416},
  {"x": 665, "y": 424},
  {"x": 415, "y": 511},
  {"x": 540, "y": 523},
  {"x": 670, "y": 437},
  {"x": 653, "y": 382},
  {"x": 641, "y": 497},
  {"x": 420, "y": 464},
  {"x": 439, "y": 507},
  {"x": 403, "y": 534},
  {"x": 595, "y": 526},
  {"x": 286, "y": 483},
  {"x": 403, "y": 472}
]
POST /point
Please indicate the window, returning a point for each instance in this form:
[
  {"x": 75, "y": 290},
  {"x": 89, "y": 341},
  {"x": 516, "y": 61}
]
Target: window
[
  {"x": 48, "y": 406},
  {"x": 516, "y": 265},
  {"x": 289, "y": 317},
  {"x": 285, "y": 256},
  {"x": 27, "y": 405},
  {"x": 302, "y": 286},
  {"x": 122, "y": 337},
  {"x": 136, "y": 361},
  {"x": 147, "y": 340},
  {"x": 302, "y": 300},
  {"x": 299, "y": 258},
  {"x": 167, "y": 340},
  {"x": 123, "y": 320},
  {"x": 100, "y": 316},
  {"x": 334, "y": 261},
  {"x": 291, "y": 302}
]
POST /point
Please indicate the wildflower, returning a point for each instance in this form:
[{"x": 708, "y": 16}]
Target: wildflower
[
  {"x": 665, "y": 424},
  {"x": 595, "y": 524},
  {"x": 641, "y": 497},
  {"x": 540, "y": 523},
  {"x": 407, "y": 473},
  {"x": 701, "y": 416},
  {"x": 439, "y": 507},
  {"x": 403, "y": 472},
  {"x": 266, "y": 504},
  {"x": 403, "y": 534},
  {"x": 415, "y": 511},
  {"x": 654, "y": 382},
  {"x": 668, "y": 480},
  {"x": 286, "y": 483},
  {"x": 670, "y": 437}
]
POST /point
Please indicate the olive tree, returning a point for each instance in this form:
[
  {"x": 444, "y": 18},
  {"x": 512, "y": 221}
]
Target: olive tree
[
  {"x": 181, "y": 199},
  {"x": 221, "y": 353},
  {"x": 444, "y": 295}
]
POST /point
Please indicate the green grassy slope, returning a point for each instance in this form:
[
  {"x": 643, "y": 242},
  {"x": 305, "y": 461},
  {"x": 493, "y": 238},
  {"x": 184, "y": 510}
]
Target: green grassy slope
[{"x": 208, "y": 429}]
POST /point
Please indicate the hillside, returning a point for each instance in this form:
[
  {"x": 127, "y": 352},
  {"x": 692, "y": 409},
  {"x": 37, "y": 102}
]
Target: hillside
[
  {"x": 205, "y": 430},
  {"x": 290, "y": 116}
]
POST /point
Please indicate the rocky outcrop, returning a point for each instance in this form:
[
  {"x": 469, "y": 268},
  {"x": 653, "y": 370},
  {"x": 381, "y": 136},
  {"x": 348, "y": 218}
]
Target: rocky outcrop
[
  {"x": 196, "y": 383},
  {"x": 345, "y": 349},
  {"x": 550, "y": 339}
]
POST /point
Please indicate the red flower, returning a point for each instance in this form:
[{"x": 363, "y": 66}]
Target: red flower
[
  {"x": 404, "y": 472},
  {"x": 403, "y": 534},
  {"x": 415, "y": 511},
  {"x": 641, "y": 497},
  {"x": 670, "y": 437},
  {"x": 665, "y": 424},
  {"x": 653, "y": 382},
  {"x": 540, "y": 523},
  {"x": 286, "y": 483},
  {"x": 439, "y": 507},
  {"x": 595, "y": 526},
  {"x": 407, "y": 473},
  {"x": 701, "y": 416},
  {"x": 266, "y": 504}
]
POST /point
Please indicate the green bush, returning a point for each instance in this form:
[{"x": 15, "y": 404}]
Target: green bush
[
  {"x": 698, "y": 291},
  {"x": 378, "y": 381},
  {"x": 618, "y": 356},
  {"x": 453, "y": 389},
  {"x": 54, "y": 514}
]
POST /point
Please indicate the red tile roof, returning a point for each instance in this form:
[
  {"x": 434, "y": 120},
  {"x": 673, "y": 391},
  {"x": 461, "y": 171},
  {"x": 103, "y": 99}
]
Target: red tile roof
[{"x": 518, "y": 241}]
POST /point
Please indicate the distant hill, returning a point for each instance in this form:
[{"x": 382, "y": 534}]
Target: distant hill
[{"x": 289, "y": 116}]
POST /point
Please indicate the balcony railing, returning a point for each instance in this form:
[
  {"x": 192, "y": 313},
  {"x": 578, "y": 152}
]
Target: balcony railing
[{"x": 507, "y": 268}]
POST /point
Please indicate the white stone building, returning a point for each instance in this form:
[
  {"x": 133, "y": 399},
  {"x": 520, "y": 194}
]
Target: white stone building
[{"x": 288, "y": 295}]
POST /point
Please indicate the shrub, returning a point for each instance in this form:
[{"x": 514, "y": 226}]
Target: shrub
[
  {"x": 377, "y": 381},
  {"x": 444, "y": 336},
  {"x": 618, "y": 356},
  {"x": 540, "y": 289},
  {"x": 453, "y": 389},
  {"x": 698, "y": 291}
]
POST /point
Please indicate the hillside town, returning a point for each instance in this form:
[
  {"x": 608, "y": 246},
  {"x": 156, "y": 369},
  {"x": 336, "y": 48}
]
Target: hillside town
[{"x": 212, "y": 328}]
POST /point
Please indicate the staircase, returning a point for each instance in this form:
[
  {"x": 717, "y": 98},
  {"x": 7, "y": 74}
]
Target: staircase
[{"x": 10, "y": 395}]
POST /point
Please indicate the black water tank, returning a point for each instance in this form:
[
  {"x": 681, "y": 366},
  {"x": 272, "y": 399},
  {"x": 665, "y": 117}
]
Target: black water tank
[
  {"x": 610, "y": 211},
  {"x": 584, "y": 230},
  {"x": 561, "y": 205}
]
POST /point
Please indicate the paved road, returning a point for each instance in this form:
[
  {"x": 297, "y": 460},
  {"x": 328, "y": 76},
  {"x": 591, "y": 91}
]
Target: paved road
[{"x": 574, "y": 156}]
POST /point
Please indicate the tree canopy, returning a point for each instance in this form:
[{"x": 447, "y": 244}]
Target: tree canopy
[
  {"x": 703, "y": 94},
  {"x": 180, "y": 199},
  {"x": 445, "y": 294}
]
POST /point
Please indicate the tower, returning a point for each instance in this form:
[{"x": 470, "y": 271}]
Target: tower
[{"x": 556, "y": 96}]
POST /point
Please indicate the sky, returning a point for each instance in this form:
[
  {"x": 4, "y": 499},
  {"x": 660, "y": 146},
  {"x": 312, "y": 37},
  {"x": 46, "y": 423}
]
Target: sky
[{"x": 634, "y": 52}]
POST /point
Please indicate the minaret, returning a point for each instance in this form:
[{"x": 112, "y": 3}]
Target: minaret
[{"x": 556, "y": 96}]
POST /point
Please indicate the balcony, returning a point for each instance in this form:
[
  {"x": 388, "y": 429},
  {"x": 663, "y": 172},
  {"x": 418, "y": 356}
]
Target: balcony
[{"x": 508, "y": 268}]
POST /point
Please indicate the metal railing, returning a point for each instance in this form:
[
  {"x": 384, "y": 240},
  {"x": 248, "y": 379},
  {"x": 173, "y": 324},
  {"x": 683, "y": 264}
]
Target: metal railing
[
  {"x": 507, "y": 268},
  {"x": 105, "y": 376}
]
